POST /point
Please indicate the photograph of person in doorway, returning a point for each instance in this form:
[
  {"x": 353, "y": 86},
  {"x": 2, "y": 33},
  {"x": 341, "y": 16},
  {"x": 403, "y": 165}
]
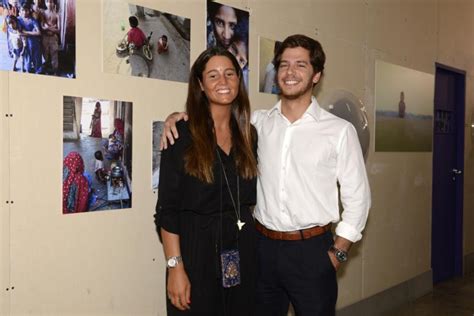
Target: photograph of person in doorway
[{"x": 97, "y": 151}]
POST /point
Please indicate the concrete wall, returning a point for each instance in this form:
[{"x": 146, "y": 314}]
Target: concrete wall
[{"x": 111, "y": 263}]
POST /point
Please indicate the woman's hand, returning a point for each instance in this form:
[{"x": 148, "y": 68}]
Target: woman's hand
[{"x": 179, "y": 288}]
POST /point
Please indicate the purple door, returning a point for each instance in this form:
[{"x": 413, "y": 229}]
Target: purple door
[{"x": 448, "y": 165}]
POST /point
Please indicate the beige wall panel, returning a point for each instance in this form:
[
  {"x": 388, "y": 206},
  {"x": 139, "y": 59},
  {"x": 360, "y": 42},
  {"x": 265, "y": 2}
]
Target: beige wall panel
[
  {"x": 418, "y": 34},
  {"x": 274, "y": 13},
  {"x": 406, "y": 30},
  {"x": 398, "y": 233},
  {"x": 344, "y": 20},
  {"x": 456, "y": 26},
  {"x": 349, "y": 74},
  {"x": 90, "y": 263},
  {"x": 384, "y": 19},
  {"x": 4, "y": 196}
]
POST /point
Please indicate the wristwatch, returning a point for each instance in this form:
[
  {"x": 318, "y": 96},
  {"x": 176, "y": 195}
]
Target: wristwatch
[
  {"x": 340, "y": 255},
  {"x": 172, "y": 262}
]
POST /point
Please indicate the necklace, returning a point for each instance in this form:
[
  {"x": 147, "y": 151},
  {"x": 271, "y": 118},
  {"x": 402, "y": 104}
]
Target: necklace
[{"x": 239, "y": 223}]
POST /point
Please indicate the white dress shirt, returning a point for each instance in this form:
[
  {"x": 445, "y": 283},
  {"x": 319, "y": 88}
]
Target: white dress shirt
[{"x": 300, "y": 164}]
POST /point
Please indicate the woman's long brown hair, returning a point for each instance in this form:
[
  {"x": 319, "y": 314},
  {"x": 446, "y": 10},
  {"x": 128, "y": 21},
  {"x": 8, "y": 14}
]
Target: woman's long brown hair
[{"x": 200, "y": 156}]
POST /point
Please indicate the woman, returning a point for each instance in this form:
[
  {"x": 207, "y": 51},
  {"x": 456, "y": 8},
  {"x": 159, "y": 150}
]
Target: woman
[
  {"x": 96, "y": 126},
  {"x": 75, "y": 184},
  {"x": 207, "y": 185},
  {"x": 114, "y": 145}
]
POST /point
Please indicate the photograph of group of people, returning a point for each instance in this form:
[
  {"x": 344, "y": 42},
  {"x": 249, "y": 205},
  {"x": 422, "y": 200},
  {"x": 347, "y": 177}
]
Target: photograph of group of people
[
  {"x": 38, "y": 36},
  {"x": 228, "y": 27},
  {"x": 97, "y": 153},
  {"x": 145, "y": 42}
]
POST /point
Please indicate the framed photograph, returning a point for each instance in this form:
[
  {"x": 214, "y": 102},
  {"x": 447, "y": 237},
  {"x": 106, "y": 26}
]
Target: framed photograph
[
  {"x": 97, "y": 155},
  {"x": 228, "y": 27},
  {"x": 144, "y": 42},
  {"x": 156, "y": 153},
  {"x": 38, "y": 37},
  {"x": 404, "y": 109},
  {"x": 267, "y": 71}
]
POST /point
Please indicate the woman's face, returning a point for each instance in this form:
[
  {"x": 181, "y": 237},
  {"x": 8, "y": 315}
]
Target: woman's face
[
  {"x": 220, "y": 81},
  {"x": 225, "y": 22}
]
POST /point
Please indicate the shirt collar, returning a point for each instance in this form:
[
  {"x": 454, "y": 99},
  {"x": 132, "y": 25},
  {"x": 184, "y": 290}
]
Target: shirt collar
[{"x": 314, "y": 109}]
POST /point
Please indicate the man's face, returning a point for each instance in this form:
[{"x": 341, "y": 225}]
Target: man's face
[
  {"x": 295, "y": 75},
  {"x": 225, "y": 22}
]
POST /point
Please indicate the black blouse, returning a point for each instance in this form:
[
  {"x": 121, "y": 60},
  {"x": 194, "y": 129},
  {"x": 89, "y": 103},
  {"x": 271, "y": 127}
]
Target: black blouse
[{"x": 179, "y": 192}]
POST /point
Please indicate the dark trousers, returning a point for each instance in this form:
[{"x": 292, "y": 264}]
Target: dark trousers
[{"x": 299, "y": 272}]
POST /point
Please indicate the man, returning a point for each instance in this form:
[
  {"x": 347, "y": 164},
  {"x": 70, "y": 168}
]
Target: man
[{"x": 303, "y": 152}]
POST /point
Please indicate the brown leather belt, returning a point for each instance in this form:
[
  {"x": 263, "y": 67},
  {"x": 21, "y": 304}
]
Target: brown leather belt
[{"x": 292, "y": 235}]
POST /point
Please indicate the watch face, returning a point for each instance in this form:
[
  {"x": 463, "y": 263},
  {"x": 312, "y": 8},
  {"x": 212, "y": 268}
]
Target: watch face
[
  {"x": 341, "y": 256},
  {"x": 172, "y": 262}
]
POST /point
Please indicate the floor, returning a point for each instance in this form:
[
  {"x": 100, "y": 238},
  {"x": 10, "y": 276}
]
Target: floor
[{"x": 454, "y": 298}]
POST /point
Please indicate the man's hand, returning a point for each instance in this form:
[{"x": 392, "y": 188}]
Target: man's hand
[
  {"x": 335, "y": 263},
  {"x": 339, "y": 243},
  {"x": 169, "y": 129},
  {"x": 179, "y": 288}
]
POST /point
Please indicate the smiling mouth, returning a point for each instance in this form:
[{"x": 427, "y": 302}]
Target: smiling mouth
[
  {"x": 290, "y": 82},
  {"x": 223, "y": 91}
]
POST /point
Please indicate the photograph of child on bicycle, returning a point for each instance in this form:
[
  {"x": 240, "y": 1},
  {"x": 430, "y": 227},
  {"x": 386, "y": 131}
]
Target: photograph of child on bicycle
[{"x": 145, "y": 42}]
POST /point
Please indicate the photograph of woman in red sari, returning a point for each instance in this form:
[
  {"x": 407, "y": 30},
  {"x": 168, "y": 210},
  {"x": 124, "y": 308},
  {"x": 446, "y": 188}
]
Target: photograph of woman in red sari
[
  {"x": 75, "y": 184},
  {"x": 96, "y": 126}
]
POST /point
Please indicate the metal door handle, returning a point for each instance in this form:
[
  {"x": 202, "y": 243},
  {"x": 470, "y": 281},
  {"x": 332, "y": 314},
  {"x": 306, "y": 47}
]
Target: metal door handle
[{"x": 456, "y": 171}]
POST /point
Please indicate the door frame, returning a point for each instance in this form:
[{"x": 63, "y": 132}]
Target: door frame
[{"x": 460, "y": 108}]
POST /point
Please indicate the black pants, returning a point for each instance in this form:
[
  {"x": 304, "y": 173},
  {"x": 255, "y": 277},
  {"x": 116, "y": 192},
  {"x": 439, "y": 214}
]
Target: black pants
[{"x": 299, "y": 272}]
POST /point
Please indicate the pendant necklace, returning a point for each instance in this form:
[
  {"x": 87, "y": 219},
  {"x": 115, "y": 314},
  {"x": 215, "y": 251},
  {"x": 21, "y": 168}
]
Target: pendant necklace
[{"x": 239, "y": 223}]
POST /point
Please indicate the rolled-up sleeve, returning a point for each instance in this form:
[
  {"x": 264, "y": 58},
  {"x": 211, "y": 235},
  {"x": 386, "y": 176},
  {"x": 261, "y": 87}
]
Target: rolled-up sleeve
[
  {"x": 167, "y": 211},
  {"x": 354, "y": 186}
]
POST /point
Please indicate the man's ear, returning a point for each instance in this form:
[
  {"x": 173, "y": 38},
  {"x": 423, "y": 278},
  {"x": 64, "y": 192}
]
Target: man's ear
[{"x": 316, "y": 77}]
